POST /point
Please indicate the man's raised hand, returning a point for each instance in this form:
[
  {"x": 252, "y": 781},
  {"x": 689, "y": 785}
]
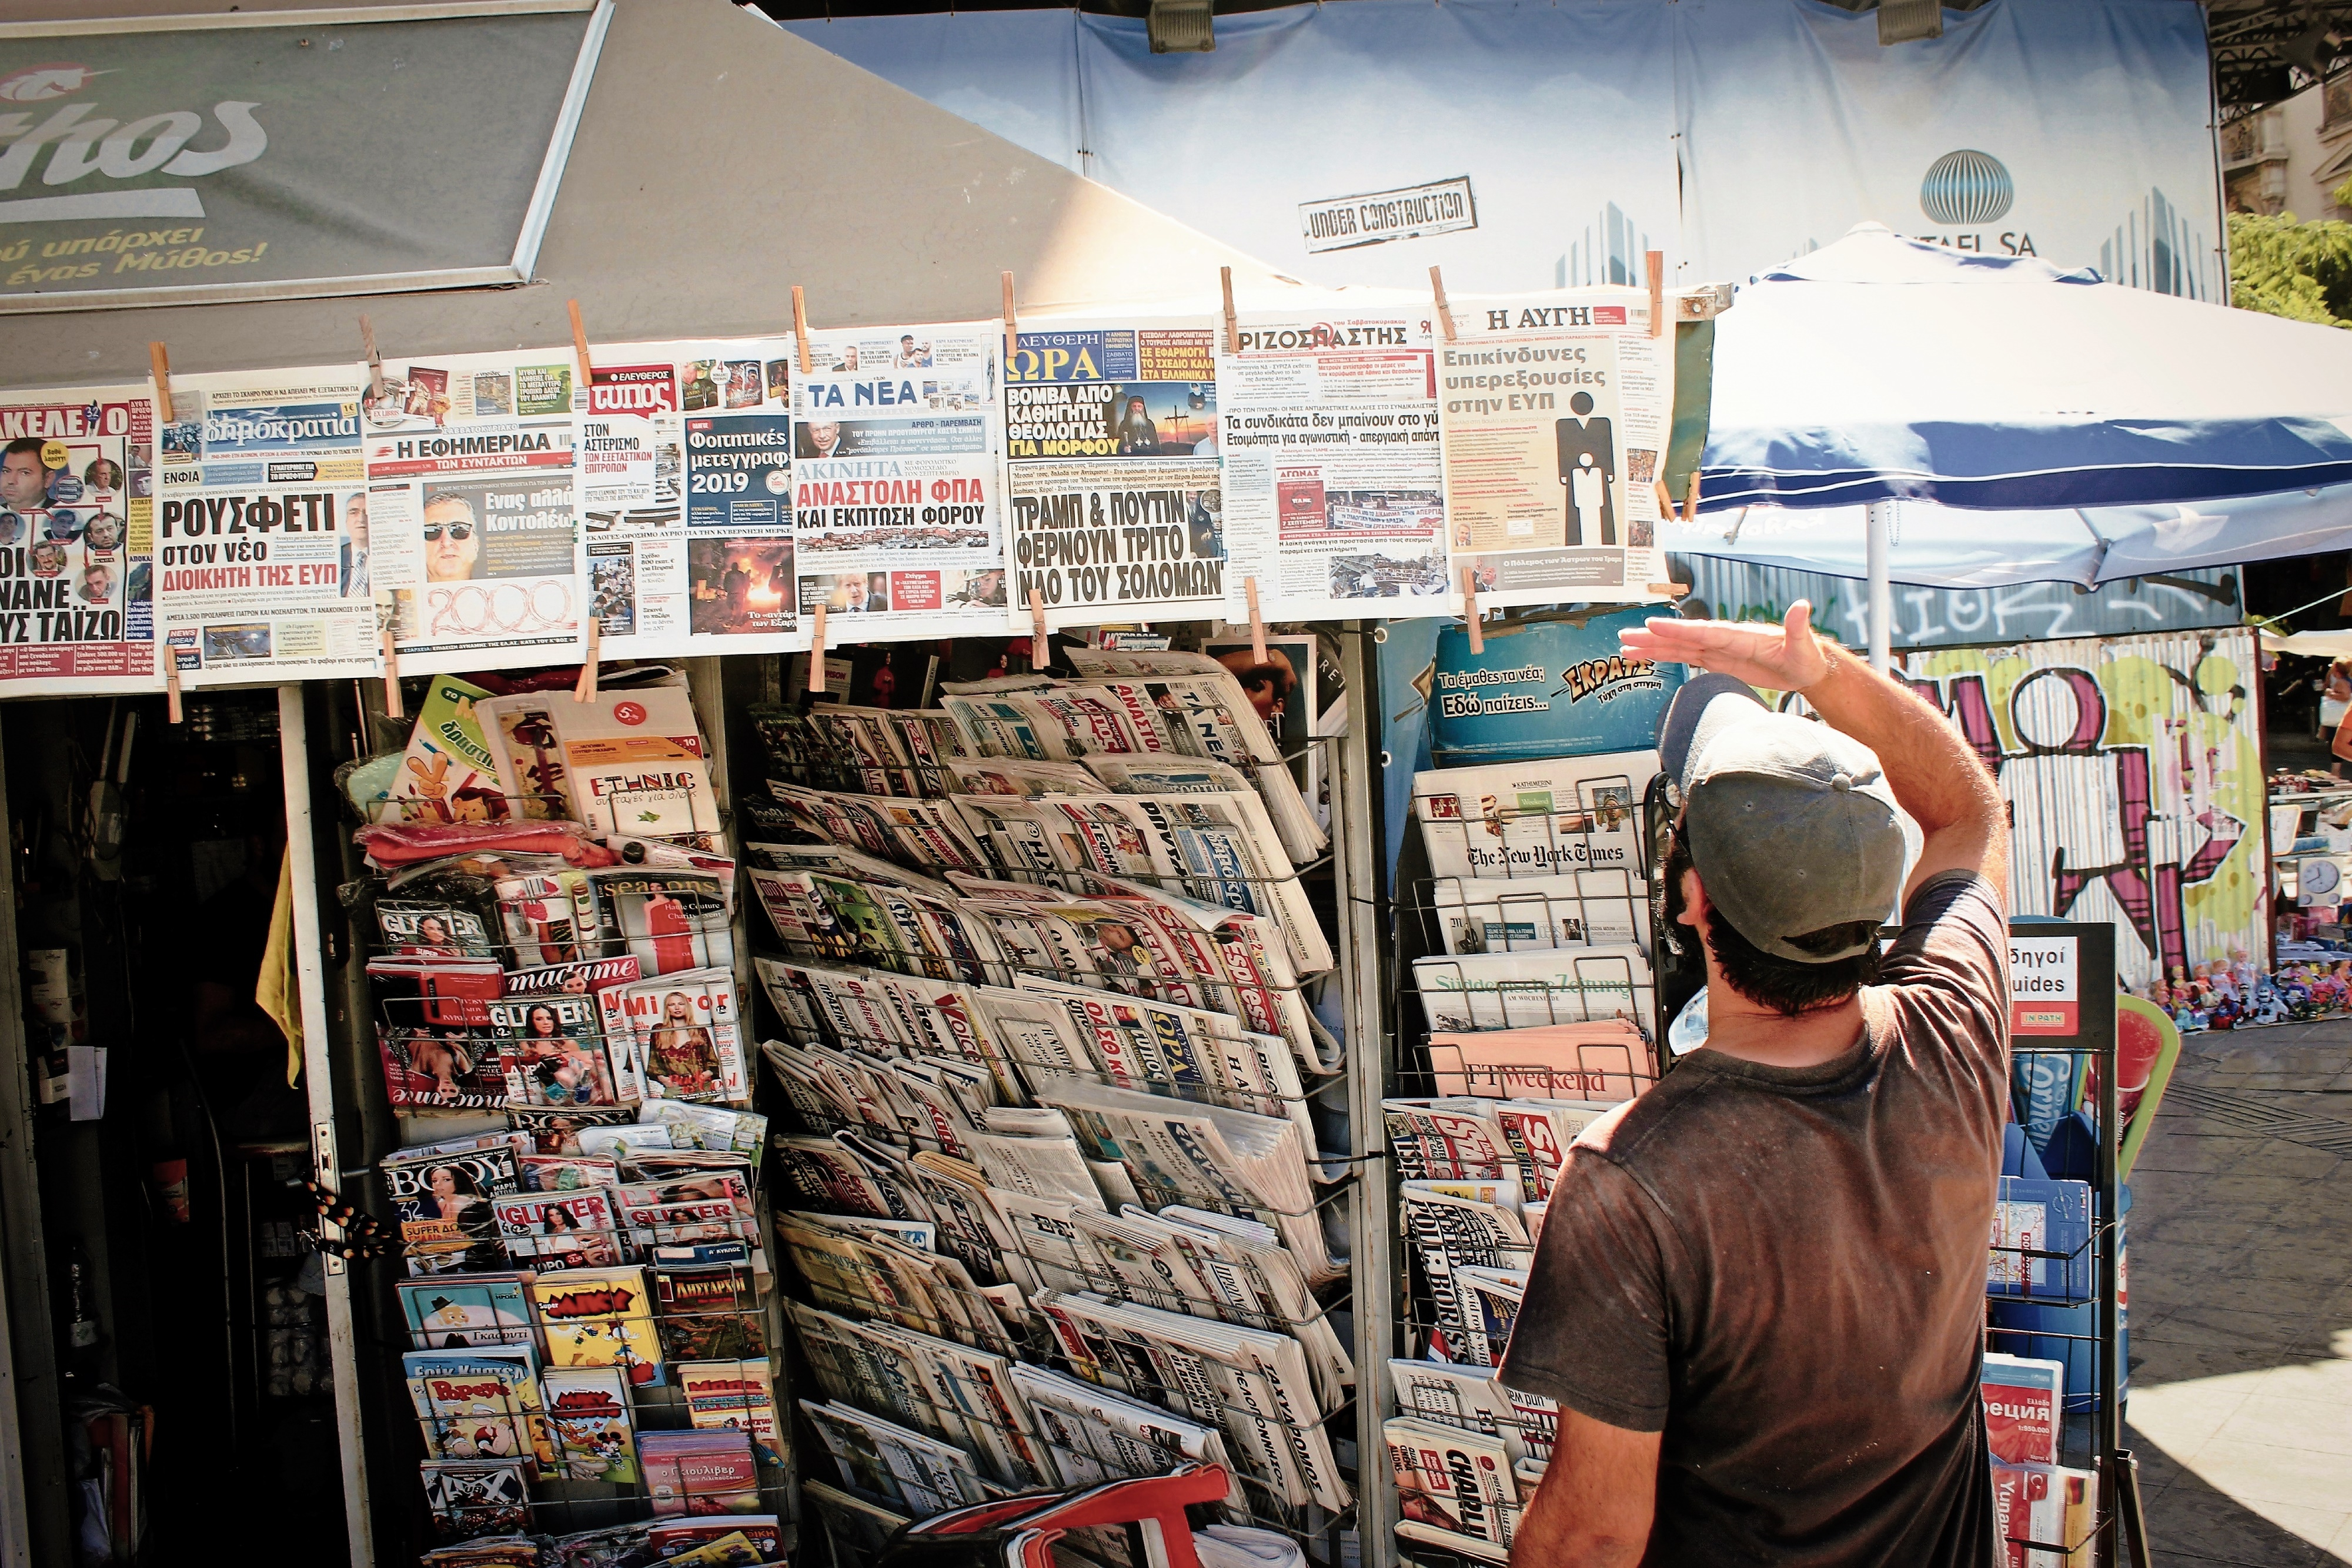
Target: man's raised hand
[{"x": 1783, "y": 658}]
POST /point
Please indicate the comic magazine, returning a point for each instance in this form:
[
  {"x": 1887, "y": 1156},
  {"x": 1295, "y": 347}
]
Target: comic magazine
[
  {"x": 709, "y": 1314},
  {"x": 474, "y": 1496},
  {"x": 480, "y": 1403},
  {"x": 599, "y": 1317},
  {"x": 738, "y": 1394},
  {"x": 442, "y": 1195},
  {"x": 595, "y": 1438},
  {"x": 553, "y": 1052},
  {"x": 466, "y": 1309}
]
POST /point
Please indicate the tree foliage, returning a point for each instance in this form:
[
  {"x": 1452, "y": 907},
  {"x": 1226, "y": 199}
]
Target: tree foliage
[{"x": 2301, "y": 271}]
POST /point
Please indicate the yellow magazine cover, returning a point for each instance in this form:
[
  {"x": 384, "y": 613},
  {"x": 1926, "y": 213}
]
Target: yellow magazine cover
[{"x": 599, "y": 1317}]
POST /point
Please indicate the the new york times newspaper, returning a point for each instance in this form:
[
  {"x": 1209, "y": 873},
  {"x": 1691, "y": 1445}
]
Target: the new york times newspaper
[
  {"x": 1555, "y": 408},
  {"x": 896, "y": 480},
  {"x": 262, "y": 534},
  {"x": 1110, "y": 441},
  {"x": 473, "y": 502},
  {"x": 77, "y": 536},
  {"x": 1331, "y": 474}
]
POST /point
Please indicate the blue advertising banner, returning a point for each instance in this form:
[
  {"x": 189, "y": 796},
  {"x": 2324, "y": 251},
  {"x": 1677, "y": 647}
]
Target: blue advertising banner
[{"x": 1527, "y": 146}]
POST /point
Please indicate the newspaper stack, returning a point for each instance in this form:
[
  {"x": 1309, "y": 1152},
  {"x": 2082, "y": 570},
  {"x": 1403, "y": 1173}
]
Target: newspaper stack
[
  {"x": 1458, "y": 1226},
  {"x": 1536, "y": 987},
  {"x": 1252, "y": 1383},
  {"x": 1093, "y": 1434},
  {"x": 1473, "y": 1399},
  {"x": 925, "y": 834},
  {"x": 961, "y": 1396},
  {"x": 884, "y": 1459},
  {"x": 897, "y": 751},
  {"x": 1549, "y": 817}
]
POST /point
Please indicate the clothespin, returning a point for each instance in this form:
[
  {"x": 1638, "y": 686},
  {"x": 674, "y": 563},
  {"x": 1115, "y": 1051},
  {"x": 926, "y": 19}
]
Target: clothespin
[
  {"x": 390, "y": 677},
  {"x": 1038, "y": 636},
  {"x": 1012, "y": 329},
  {"x": 799, "y": 326},
  {"x": 1233, "y": 328},
  {"x": 1257, "y": 622},
  {"x": 160, "y": 363},
  {"x": 579, "y": 341},
  {"x": 376, "y": 360},
  {"x": 585, "y": 690},
  {"x": 1668, "y": 589},
  {"x": 1690, "y": 506},
  {"x": 1665, "y": 498},
  {"x": 816, "y": 651},
  {"x": 1657, "y": 261},
  {"x": 172, "y": 682},
  {"x": 1444, "y": 312},
  {"x": 1470, "y": 609}
]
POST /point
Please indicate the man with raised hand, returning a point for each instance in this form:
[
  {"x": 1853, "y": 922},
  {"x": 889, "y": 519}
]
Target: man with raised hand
[{"x": 1759, "y": 1296}]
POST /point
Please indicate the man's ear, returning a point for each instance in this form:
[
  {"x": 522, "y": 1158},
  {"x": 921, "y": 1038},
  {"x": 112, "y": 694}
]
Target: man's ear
[{"x": 1695, "y": 905}]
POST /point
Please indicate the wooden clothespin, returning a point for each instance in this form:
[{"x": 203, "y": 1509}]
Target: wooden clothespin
[
  {"x": 390, "y": 677},
  {"x": 1657, "y": 263},
  {"x": 1257, "y": 622},
  {"x": 376, "y": 360},
  {"x": 580, "y": 342},
  {"x": 1470, "y": 609},
  {"x": 1690, "y": 506},
  {"x": 1668, "y": 589},
  {"x": 816, "y": 650},
  {"x": 1039, "y": 639},
  {"x": 1012, "y": 329},
  {"x": 799, "y": 324},
  {"x": 1665, "y": 498},
  {"x": 160, "y": 363},
  {"x": 1444, "y": 311},
  {"x": 585, "y": 690},
  {"x": 1232, "y": 327},
  {"x": 172, "y": 683}
]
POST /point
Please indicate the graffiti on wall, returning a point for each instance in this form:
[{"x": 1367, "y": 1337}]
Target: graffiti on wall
[{"x": 2133, "y": 770}]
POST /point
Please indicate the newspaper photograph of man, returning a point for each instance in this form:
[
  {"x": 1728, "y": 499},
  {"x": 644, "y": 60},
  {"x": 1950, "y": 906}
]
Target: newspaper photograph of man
[{"x": 452, "y": 537}]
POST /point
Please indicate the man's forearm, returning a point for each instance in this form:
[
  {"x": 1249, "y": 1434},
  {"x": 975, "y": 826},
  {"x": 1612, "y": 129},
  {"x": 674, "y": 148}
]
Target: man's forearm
[{"x": 1936, "y": 776}]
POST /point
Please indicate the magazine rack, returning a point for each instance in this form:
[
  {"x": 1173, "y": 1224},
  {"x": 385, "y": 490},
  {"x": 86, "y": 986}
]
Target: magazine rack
[{"x": 2063, "y": 1028}]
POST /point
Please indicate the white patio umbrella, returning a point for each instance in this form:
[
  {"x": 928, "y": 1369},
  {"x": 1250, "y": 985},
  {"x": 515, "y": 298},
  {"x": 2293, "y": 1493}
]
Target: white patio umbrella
[{"x": 1883, "y": 407}]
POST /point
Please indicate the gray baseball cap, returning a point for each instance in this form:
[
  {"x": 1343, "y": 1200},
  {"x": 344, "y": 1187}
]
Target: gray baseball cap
[{"x": 1790, "y": 823}]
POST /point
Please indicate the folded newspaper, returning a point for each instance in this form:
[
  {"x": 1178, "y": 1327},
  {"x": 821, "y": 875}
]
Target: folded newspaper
[{"x": 1535, "y": 818}]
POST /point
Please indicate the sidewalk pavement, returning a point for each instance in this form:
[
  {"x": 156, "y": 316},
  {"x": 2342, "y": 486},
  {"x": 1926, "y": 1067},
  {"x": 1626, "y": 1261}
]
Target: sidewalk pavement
[{"x": 2241, "y": 1303}]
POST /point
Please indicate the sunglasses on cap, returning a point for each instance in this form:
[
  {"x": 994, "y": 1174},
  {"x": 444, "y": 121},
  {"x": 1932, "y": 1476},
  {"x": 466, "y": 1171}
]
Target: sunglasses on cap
[{"x": 456, "y": 530}]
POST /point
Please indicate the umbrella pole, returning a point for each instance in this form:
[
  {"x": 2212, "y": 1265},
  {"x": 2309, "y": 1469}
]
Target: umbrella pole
[{"x": 1882, "y": 598}]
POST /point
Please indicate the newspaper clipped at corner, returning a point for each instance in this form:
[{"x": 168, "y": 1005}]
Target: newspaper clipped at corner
[
  {"x": 262, "y": 532},
  {"x": 901, "y": 525},
  {"x": 473, "y": 509},
  {"x": 76, "y": 542},
  {"x": 1331, "y": 483},
  {"x": 1110, "y": 442},
  {"x": 1555, "y": 409}
]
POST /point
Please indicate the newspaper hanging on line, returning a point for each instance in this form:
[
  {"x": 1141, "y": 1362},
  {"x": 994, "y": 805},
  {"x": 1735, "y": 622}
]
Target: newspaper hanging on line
[
  {"x": 1555, "y": 409},
  {"x": 474, "y": 508},
  {"x": 1331, "y": 483},
  {"x": 1110, "y": 443},
  {"x": 261, "y": 529},
  {"x": 898, "y": 453},
  {"x": 684, "y": 503},
  {"x": 76, "y": 542}
]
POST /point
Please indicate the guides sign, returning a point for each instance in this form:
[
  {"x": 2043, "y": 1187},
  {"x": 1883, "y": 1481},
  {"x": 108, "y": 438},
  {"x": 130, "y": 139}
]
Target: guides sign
[
  {"x": 77, "y": 531},
  {"x": 1110, "y": 443}
]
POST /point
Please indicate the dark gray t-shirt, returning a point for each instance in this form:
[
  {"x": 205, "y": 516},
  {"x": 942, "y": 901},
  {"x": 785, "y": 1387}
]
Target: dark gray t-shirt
[{"x": 1782, "y": 1270}]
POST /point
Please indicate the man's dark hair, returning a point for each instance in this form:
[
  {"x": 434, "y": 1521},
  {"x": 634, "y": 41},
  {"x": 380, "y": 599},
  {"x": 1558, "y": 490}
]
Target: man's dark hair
[
  {"x": 22, "y": 444},
  {"x": 1784, "y": 985},
  {"x": 1769, "y": 980}
]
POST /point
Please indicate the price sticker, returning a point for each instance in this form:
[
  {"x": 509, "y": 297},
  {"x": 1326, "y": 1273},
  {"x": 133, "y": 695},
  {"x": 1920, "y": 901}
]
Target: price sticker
[{"x": 2044, "y": 997}]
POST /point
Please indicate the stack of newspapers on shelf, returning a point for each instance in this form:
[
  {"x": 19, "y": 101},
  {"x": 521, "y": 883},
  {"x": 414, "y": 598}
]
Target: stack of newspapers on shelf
[
  {"x": 1055, "y": 1195},
  {"x": 1540, "y": 1002}
]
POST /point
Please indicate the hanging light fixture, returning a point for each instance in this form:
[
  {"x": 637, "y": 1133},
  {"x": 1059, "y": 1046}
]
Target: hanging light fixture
[{"x": 1186, "y": 27}]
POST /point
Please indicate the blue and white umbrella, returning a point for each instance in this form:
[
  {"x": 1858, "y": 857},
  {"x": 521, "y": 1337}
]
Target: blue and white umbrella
[{"x": 2007, "y": 421}]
